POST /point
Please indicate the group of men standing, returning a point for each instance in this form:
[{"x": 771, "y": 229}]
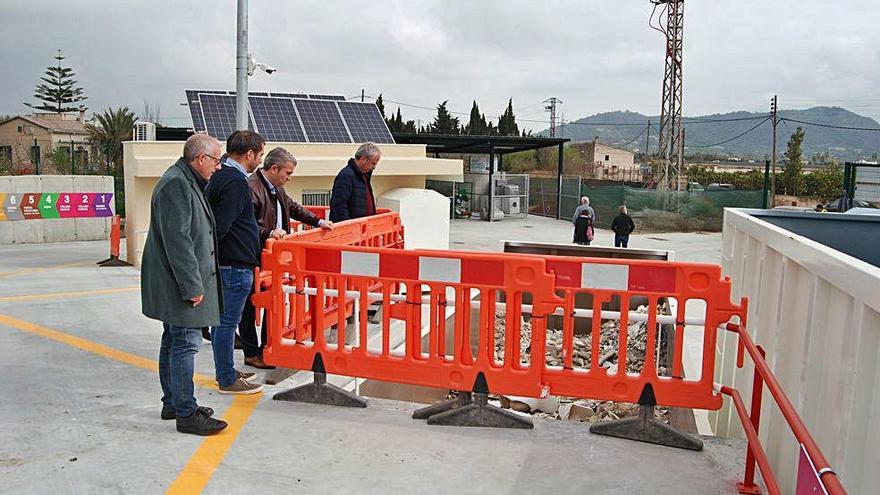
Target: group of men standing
[{"x": 210, "y": 217}]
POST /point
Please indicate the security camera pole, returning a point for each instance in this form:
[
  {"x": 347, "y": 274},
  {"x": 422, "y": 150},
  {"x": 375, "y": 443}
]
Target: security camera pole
[{"x": 241, "y": 68}]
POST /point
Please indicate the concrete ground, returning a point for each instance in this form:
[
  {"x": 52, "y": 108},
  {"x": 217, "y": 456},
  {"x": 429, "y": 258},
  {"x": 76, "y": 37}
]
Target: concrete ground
[
  {"x": 478, "y": 235},
  {"x": 81, "y": 411}
]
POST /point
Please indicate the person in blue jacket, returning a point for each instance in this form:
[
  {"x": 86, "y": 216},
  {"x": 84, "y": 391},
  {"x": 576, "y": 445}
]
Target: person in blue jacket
[{"x": 352, "y": 195}]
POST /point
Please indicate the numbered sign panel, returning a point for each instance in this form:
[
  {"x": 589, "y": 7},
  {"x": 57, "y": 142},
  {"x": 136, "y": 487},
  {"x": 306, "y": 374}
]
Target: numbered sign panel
[{"x": 47, "y": 205}]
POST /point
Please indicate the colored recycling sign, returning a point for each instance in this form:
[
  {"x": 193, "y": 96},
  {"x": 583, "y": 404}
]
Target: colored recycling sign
[{"x": 37, "y": 206}]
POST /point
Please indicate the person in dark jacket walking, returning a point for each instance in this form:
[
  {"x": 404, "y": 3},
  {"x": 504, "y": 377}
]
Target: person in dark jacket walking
[
  {"x": 583, "y": 228},
  {"x": 229, "y": 195},
  {"x": 623, "y": 226},
  {"x": 352, "y": 195},
  {"x": 180, "y": 285},
  {"x": 273, "y": 209}
]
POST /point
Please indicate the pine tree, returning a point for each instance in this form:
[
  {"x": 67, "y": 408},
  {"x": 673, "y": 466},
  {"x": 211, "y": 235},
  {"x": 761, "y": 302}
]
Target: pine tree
[
  {"x": 794, "y": 166},
  {"x": 444, "y": 122},
  {"x": 395, "y": 123},
  {"x": 410, "y": 127},
  {"x": 381, "y": 104},
  {"x": 507, "y": 122},
  {"x": 58, "y": 91},
  {"x": 477, "y": 123}
]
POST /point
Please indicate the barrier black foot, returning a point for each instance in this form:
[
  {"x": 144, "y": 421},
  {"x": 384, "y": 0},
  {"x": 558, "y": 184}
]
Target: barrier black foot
[
  {"x": 426, "y": 412},
  {"x": 647, "y": 428},
  {"x": 473, "y": 409},
  {"x": 480, "y": 413},
  {"x": 321, "y": 392},
  {"x": 113, "y": 261}
]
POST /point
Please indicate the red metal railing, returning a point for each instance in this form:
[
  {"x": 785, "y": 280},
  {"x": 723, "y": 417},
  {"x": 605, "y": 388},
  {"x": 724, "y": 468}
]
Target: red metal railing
[{"x": 750, "y": 422}]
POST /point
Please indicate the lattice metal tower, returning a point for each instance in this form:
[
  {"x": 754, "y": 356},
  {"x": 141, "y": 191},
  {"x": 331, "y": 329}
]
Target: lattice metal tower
[
  {"x": 551, "y": 107},
  {"x": 671, "y": 147}
]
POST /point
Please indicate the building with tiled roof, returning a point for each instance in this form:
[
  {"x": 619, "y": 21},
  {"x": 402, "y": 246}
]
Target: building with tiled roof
[{"x": 27, "y": 141}]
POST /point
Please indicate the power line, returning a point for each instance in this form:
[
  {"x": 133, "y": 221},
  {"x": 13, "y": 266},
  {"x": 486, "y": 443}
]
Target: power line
[
  {"x": 831, "y": 126},
  {"x": 759, "y": 124},
  {"x": 621, "y": 146}
]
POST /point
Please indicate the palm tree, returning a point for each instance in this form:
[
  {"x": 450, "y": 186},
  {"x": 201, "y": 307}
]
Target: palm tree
[{"x": 112, "y": 128}]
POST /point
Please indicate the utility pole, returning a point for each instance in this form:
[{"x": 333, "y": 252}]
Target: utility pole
[
  {"x": 562, "y": 125},
  {"x": 773, "y": 111},
  {"x": 551, "y": 107},
  {"x": 362, "y": 95},
  {"x": 241, "y": 68},
  {"x": 670, "y": 149}
]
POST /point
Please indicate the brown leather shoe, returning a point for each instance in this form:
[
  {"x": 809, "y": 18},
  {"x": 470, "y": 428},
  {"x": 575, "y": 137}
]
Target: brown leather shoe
[{"x": 257, "y": 362}]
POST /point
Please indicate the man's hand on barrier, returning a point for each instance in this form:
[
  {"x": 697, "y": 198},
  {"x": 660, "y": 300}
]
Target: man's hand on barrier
[
  {"x": 277, "y": 233},
  {"x": 326, "y": 224},
  {"x": 197, "y": 300}
]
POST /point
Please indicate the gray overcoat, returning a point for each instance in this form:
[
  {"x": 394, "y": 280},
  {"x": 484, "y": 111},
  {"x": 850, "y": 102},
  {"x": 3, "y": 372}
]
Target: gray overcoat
[{"x": 179, "y": 260}]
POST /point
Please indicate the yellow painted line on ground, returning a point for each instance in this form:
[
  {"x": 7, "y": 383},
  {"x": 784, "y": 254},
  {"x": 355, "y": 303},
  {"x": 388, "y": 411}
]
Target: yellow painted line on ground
[
  {"x": 150, "y": 364},
  {"x": 210, "y": 454},
  {"x": 58, "y": 295},
  {"x": 42, "y": 268},
  {"x": 205, "y": 460}
]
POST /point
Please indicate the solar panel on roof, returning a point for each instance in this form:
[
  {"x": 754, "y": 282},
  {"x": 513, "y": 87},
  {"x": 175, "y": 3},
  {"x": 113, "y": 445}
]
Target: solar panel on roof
[
  {"x": 365, "y": 123},
  {"x": 250, "y": 93},
  {"x": 195, "y": 110},
  {"x": 219, "y": 113},
  {"x": 290, "y": 95},
  {"x": 276, "y": 119},
  {"x": 327, "y": 97},
  {"x": 322, "y": 121}
]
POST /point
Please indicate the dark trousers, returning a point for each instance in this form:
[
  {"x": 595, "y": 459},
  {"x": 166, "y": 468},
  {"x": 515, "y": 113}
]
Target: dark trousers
[
  {"x": 621, "y": 240},
  {"x": 248, "y": 330}
]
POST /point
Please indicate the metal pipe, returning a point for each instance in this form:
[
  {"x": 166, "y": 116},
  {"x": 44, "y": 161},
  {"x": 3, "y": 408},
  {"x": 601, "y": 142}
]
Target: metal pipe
[
  {"x": 754, "y": 443},
  {"x": 241, "y": 68},
  {"x": 525, "y": 308},
  {"x": 832, "y": 483}
]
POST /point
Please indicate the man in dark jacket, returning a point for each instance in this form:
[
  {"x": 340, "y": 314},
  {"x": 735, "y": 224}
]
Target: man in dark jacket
[
  {"x": 180, "y": 283},
  {"x": 239, "y": 251},
  {"x": 623, "y": 226},
  {"x": 273, "y": 209},
  {"x": 352, "y": 195}
]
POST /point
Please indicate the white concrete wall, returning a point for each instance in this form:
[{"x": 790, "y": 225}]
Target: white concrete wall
[
  {"x": 816, "y": 311},
  {"x": 424, "y": 215},
  {"x": 55, "y": 229}
]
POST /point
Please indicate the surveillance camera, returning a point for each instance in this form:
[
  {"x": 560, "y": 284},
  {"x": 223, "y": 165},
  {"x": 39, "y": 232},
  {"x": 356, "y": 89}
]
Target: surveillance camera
[
  {"x": 268, "y": 69},
  {"x": 254, "y": 65}
]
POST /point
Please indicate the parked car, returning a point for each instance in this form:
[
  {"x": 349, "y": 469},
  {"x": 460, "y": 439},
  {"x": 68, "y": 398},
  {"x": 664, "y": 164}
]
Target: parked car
[
  {"x": 715, "y": 186},
  {"x": 855, "y": 203},
  {"x": 695, "y": 186}
]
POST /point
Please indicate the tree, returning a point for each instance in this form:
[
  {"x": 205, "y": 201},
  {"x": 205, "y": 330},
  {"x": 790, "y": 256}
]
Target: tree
[
  {"x": 410, "y": 127},
  {"x": 381, "y": 104},
  {"x": 507, "y": 122},
  {"x": 793, "y": 167},
  {"x": 444, "y": 122},
  {"x": 112, "y": 128},
  {"x": 58, "y": 92},
  {"x": 477, "y": 123}
]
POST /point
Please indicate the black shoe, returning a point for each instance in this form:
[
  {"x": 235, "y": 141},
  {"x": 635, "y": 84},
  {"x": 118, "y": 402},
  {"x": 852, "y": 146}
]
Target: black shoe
[
  {"x": 237, "y": 342},
  {"x": 200, "y": 424},
  {"x": 206, "y": 333},
  {"x": 169, "y": 413}
]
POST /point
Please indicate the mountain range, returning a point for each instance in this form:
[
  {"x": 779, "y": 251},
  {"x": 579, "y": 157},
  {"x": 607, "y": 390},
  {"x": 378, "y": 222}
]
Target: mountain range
[{"x": 713, "y": 134}]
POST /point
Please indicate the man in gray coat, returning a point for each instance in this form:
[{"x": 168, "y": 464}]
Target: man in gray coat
[{"x": 180, "y": 278}]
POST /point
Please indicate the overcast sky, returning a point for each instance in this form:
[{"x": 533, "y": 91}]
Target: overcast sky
[{"x": 595, "y": 55}]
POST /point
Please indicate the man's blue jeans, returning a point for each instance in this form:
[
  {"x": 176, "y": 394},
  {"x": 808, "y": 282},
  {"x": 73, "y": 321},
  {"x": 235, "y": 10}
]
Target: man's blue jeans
[
  {"x": 621, "y": 240},
  {"x": 238, "y": 283},
  {"x": 176, "y": 355}
]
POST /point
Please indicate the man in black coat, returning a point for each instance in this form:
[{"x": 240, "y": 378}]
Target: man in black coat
[
  {"x": 238, "y": 238},
  {"x": 623, "y": 226},
  {"x": 352, "y": 195}
]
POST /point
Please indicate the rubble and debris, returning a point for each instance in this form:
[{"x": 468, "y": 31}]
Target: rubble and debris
[{"x": 585, "y": 409}]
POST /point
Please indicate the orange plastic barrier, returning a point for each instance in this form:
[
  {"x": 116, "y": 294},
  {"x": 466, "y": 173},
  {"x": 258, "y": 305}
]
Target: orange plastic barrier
[
  {"x": 115, "y": 239},
  {"x": 550, "y": 283}
]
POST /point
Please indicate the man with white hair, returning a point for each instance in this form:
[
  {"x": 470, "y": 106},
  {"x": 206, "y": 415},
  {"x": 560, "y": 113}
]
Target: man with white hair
[
  {"x": 352, "y": 195},
  {"x": 585, "y": 205},
  {"x": 180, "y": 278}
]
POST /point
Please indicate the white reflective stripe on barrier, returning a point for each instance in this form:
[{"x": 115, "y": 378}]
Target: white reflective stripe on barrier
[
  {"x": 607, "y": 277},
  {"x": 526, "y": 308},
  {"x": 360, "y": 263}
]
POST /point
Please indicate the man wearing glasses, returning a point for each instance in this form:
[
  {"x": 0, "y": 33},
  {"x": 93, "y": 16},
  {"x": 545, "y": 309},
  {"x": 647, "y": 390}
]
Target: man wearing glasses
[
  {"x": 352, "y": 195},
  {"x": 180, "y": 278}
]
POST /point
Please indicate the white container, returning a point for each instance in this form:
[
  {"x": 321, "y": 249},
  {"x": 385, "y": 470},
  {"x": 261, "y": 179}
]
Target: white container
[{"x": 816, "y": 311}]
